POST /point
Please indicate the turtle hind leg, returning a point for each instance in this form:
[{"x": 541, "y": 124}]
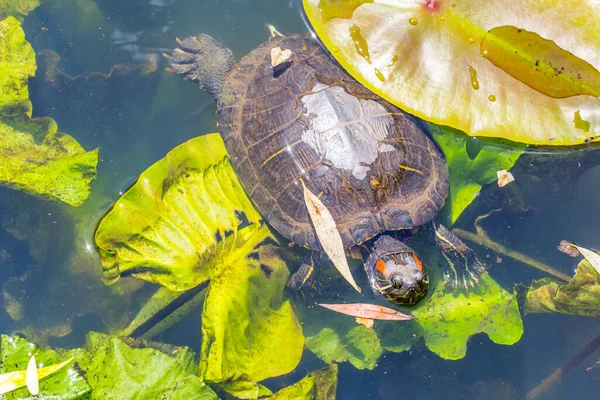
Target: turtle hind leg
[
  {"x": 202, "y": 59},
  {"x": 462, "y": 269}
]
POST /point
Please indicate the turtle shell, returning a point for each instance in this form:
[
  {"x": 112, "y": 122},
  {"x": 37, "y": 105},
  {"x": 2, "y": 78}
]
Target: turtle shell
[{"x": 373, "y": 166}]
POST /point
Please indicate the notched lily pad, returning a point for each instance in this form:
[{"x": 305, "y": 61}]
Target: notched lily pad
[
  {"x": 34, "y": 157},
  {"x": 426, "y": 57},
  {"x": 187, "y": 220},
  {"x": 168, "y": 227},
  {"x": 580, "y": 296},
  {"x": 447, "y": 320}
]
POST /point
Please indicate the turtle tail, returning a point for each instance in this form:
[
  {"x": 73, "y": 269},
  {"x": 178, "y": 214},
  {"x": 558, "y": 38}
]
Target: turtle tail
[{"x": 204, "y": 60}]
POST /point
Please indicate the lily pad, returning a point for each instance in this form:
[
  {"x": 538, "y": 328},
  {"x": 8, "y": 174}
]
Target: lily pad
[
  {"x": 116, "y": 370},
  {"x": 168, "y": 227},
  {"x": 187, "y": 220},
  {"x": 247, "y": 328},
  {"x": 580, "y": 296},
  {"x": 317, "y": 385},
  {"x": 447, "y": 321},
  {"x": 66, "y": 383},
  {"x": 468, "y": 170},
  {"x": 525, "y": 71},
  {"x": 34, "y": 156}
]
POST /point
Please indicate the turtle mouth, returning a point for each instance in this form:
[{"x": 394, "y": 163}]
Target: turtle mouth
[{"x": 406, "y": 296}]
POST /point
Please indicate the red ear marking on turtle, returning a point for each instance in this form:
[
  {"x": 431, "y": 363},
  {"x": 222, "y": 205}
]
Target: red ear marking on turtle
[
  {"x": 380, "y": 266},
  {"x": 418, "y": 261}
]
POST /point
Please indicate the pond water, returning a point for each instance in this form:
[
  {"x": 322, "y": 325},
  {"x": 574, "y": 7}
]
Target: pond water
[{"x": 136, "y": 113}]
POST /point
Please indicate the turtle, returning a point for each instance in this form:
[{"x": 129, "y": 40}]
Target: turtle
[{"x": 287, "y": 112}]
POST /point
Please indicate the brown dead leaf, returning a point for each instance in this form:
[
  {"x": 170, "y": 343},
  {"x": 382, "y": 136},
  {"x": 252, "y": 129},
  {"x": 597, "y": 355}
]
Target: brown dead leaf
[
  {"x": 279, "y": 56},
  {"x": 368, "y": 311},
  {"x": 328, "y": 235},
  {"x": 504, "y": 177}
]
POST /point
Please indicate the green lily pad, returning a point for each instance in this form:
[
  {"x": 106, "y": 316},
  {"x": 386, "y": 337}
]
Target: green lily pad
[
  {"x": 580, "y": 296},
  {"x": 246, "y": 326},
  {"x": 168, "y": 227},
  {"x": 34, "y": 156},
  {"x": 181, "y": 225},
  {"x": 468, "y": 172},
  {"x": 66, "y": 383},
  {"x": 317, "y": 385},
  {"x": 525, "y": 70},
  {"x": 116, "y": 370},
  {"x": 447, "y": 320}
]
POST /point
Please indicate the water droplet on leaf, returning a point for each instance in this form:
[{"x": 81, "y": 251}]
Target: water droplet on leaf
[
  {"x": 474, "y": 81},
  {"x": 362, "y": 47}
]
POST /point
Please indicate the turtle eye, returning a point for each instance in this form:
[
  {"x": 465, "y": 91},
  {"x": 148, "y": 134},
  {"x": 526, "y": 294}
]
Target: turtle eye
[
  {"x": 419, "y": 276},
  {"x": 396, "y": 281}
]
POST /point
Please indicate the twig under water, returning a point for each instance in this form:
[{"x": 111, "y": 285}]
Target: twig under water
[
  {"x": 483, "y": 240},
  {"x": 553, "y": 379}
]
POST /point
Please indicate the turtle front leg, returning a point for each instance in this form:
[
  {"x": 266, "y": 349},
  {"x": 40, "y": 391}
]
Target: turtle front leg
[
  {"x": 462, "y": 269},
  {"x": 202, "y": 59}
]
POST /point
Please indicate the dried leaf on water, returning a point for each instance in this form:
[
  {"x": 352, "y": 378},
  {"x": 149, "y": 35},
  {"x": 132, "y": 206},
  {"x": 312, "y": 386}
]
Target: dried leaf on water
[
  {"x": 328, "y": 234},
  {"x": 592, "y": 257},
  {"x": 504, "y": 177},
  {"x": 368, "y": 311}
]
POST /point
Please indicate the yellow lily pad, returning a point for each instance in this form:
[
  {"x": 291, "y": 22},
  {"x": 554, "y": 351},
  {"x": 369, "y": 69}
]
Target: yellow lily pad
[{"x": 526, "y": 71}]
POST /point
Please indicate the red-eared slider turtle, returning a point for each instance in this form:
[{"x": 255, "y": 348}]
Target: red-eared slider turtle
[{"x": 373, "y": 166}]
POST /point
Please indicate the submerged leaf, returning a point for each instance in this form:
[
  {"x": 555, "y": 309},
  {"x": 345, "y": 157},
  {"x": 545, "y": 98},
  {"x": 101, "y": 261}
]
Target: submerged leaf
[
  {"x": 34, "y": 157},
  {"x": 359, "y": 345},
  {"x": 328, "y": 235},
  {"x": 317, "y": 385},
  {"x": 580, "y": 296},
  {"x": 469, "y": 173},
  {"x": 426, "y": 58},
  {"x": 17, "y": 8},
  {"x": 368, "y": 311}
]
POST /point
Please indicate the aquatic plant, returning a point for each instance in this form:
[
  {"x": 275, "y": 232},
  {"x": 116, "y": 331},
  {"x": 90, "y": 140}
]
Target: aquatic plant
[
  {"x": 525, "y": 71},
  {"x": 187, "y": 221},
  {"x": 34, "y": 156}
]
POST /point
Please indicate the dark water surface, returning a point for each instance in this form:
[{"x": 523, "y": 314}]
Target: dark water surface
[{"x": 136, "y": 117}]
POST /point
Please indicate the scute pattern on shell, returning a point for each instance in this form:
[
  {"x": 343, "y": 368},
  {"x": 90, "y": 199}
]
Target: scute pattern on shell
[{"x": 270, "y": 135}]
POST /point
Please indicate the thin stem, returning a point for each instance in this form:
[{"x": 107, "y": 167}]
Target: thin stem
[{"x": 498, "y": 248}]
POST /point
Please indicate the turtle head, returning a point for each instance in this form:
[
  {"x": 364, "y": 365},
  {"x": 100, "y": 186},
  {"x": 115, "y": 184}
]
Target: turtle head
[
  {"x": 202, "y": 59},
  {"x": 396, "y": 272}
]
